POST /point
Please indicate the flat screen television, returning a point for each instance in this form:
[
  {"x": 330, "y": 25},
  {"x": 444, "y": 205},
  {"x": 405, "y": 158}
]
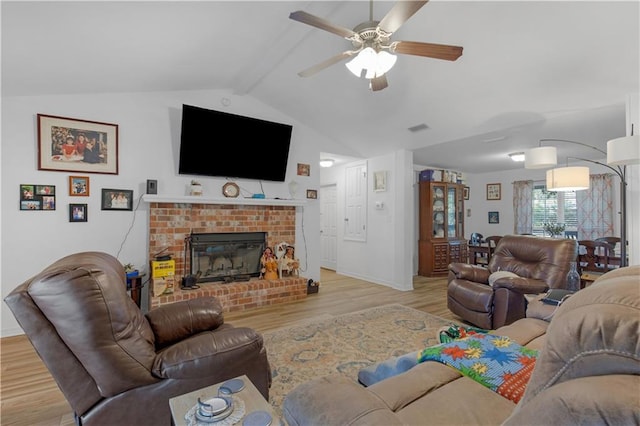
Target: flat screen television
[{"x": 215, "y": 143}]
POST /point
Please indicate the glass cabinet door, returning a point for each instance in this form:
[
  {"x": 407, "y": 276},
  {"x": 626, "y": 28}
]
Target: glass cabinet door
[
  {"x": 438, "y": 209},
  {"x": 452, "y": 208}
]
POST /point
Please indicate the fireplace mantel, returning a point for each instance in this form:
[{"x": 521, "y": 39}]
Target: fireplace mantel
[{"x": 189, "y": 199}]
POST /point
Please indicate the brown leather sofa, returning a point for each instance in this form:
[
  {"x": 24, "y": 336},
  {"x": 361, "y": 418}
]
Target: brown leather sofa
[
  {"x": 587, "y": 372},
  {"x": 115, "y": 365},
  {"x": 539, "y": 263}
]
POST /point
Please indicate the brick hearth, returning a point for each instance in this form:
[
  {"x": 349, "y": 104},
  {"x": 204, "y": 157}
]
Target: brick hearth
[{"x": 170, "y": 223}]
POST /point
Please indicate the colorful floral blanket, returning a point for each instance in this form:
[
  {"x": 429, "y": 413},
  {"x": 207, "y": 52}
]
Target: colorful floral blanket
[{"x": 496, "y": 362}]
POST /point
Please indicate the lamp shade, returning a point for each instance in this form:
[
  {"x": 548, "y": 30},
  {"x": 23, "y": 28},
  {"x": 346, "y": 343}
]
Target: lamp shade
[
  {"x": 623, "y": 151},
  {"x": 541, "y": 157},
  {"x": 568, "y": 179}
]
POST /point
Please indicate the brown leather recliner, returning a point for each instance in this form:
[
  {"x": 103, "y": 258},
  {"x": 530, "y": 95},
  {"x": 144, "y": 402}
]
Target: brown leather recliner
[
  {"x": 117, "y": 366},
  {"x": 540, "y": 263}
]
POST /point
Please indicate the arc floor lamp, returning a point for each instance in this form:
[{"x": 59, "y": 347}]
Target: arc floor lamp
[{"x": 620, "y": 153}]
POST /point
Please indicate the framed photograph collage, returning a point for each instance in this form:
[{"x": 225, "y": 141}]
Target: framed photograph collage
[
  {"x": 37, "y": 197},
  {"x": 78, "y": 146}
]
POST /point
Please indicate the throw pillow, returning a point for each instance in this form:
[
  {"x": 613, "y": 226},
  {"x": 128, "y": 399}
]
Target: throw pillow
[{"x": 500, "y": 274}]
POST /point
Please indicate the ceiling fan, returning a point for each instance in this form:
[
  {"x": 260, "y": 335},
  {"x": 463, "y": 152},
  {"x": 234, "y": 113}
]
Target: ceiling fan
[{"x": 371, "y": 41}]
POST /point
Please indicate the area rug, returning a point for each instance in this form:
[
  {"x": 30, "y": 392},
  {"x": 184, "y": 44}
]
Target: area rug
[{"x": 344, "y": 344}]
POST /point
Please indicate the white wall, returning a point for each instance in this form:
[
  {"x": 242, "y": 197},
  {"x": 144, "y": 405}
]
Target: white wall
[
  {"x": 149, "y": 134},
  {"x": 386, "y": 255}
]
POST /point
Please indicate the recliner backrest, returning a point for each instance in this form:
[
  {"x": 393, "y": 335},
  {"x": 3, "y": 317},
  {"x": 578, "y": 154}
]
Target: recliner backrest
[
  {"x": 545, "y": 259},
  {"x": 88, "y": 308}
]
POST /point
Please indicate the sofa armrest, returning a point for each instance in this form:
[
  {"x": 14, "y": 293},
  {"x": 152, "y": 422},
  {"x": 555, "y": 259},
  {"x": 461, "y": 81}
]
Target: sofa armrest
[
  {"x": 173, "y": 322},
  {"x": 469, "y": 272},
  {"x": 521, "y": 285},
  {"x": 335, "y": 400}
]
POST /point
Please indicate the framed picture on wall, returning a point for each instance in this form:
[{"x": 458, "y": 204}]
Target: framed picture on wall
[
  {"x": 465, "y": 192},
  {"x": 312, "y": 194},
  {"x": 494, "y": 217},
  {"x": 493, "y": 191},
  {"x": 380, "y": 181},
  {"x": 117, "y": 199},
  {"x": 78, "y": 186},
  {"x": 75, "y": 145},
  {"x": 37, "y": 197},
  {"x": 77, "y": 212},
  {"x": 304, "y": 169}
]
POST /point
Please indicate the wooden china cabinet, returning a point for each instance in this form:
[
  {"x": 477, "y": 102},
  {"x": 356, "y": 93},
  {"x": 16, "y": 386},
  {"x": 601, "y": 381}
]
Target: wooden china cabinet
[{"x": 441, "y": 228}]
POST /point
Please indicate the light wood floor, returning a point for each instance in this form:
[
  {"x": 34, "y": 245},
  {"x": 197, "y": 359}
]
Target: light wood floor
[{"x": 29, "y": 396}]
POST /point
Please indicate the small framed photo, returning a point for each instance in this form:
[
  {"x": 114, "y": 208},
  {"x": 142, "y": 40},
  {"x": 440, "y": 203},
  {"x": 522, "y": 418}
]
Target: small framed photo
[
  {"x": 37, "y": 197},
  {"x": 465, "y": 192},
  {"x": 117, "y": 199},
  {"x": 312, "y": 193},
  {"x": 78, "y": 186},
  {"x": 77, "y": 212},
  {"x": 494, "y": 217},
  {"x": 75, "y": 145},
  {"x": 380, "y": 181},
  {"x": 304, "y": 169},
  {"x": 493, "y": 191}
]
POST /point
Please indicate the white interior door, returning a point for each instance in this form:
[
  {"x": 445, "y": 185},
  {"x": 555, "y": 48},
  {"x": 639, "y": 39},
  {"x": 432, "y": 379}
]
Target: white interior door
[{"x": 328, "y": 227}]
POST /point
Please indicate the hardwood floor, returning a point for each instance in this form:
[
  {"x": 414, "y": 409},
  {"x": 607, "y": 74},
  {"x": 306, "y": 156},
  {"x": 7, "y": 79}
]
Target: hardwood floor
[{"x": 29, "y": 396}]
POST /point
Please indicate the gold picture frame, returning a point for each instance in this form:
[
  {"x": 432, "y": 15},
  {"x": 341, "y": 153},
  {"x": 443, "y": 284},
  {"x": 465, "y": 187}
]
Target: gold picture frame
[{"x": 78, "y": 186}]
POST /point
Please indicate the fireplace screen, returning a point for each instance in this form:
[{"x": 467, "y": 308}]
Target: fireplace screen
[{"x": 226, "y": 256}]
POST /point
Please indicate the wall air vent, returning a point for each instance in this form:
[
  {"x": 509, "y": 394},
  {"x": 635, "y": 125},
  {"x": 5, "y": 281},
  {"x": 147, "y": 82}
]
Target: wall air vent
[{"x": 418, "y": 128}]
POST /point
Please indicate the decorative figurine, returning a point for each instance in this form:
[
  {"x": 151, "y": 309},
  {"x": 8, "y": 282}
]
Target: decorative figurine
[
  {"x": 288, "y": 263},
  {"x": 269, "y": 264}
]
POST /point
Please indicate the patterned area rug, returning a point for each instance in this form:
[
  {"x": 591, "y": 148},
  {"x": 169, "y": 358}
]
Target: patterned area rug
[{"x": 344, "y": 344}]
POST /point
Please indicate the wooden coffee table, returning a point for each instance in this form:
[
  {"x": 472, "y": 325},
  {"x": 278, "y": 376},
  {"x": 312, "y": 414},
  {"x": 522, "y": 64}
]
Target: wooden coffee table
[{"x": 252, "y": 398}]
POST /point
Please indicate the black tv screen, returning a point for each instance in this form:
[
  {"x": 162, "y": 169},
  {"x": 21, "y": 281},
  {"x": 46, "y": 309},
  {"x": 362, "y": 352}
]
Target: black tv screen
[{"x": 215, "y": 143}]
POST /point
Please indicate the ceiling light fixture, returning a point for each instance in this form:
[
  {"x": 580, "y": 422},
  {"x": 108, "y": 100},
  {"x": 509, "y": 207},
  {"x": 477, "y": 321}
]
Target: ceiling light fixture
[
  {"x": 517, "y": 156},
  {"x": 371, "y": 64},
  {"x": 326, "y": 162}
]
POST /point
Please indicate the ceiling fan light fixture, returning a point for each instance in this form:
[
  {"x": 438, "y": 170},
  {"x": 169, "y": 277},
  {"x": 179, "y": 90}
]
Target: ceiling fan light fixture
[
  {"x": 364, "y": 60},
  {"x": 376, "y": 64},
  {"x": 386, "y": 61}
]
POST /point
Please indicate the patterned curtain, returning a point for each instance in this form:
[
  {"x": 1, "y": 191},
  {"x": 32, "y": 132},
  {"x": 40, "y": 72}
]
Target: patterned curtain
[
  {"x": 595, "y": 208},
  {"x": 523, "y": 207}
]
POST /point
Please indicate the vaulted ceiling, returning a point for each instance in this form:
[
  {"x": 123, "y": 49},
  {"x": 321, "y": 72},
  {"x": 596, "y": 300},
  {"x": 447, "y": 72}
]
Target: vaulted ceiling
[{"x": 529, "y": 70}]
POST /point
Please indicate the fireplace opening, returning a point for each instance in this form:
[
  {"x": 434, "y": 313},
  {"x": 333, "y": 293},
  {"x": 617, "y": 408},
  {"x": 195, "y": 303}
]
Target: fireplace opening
[{"x": 226, "y": 256}]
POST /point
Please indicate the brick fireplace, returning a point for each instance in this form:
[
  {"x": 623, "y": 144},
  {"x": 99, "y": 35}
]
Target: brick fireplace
[{"x": 170, "y": 223}]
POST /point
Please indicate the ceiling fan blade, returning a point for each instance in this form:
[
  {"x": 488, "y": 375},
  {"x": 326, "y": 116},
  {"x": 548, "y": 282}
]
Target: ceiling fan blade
[
  {"x": 399, "y": 14},
  {"x": 325, "y": 64},
  {"x": 379, "y": 83},
  {"x": 323, "y": 24},
  {"x": 430, "y": 50}
]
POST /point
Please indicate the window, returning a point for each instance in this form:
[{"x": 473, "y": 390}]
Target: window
[{"x": 553, "y": 207}]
